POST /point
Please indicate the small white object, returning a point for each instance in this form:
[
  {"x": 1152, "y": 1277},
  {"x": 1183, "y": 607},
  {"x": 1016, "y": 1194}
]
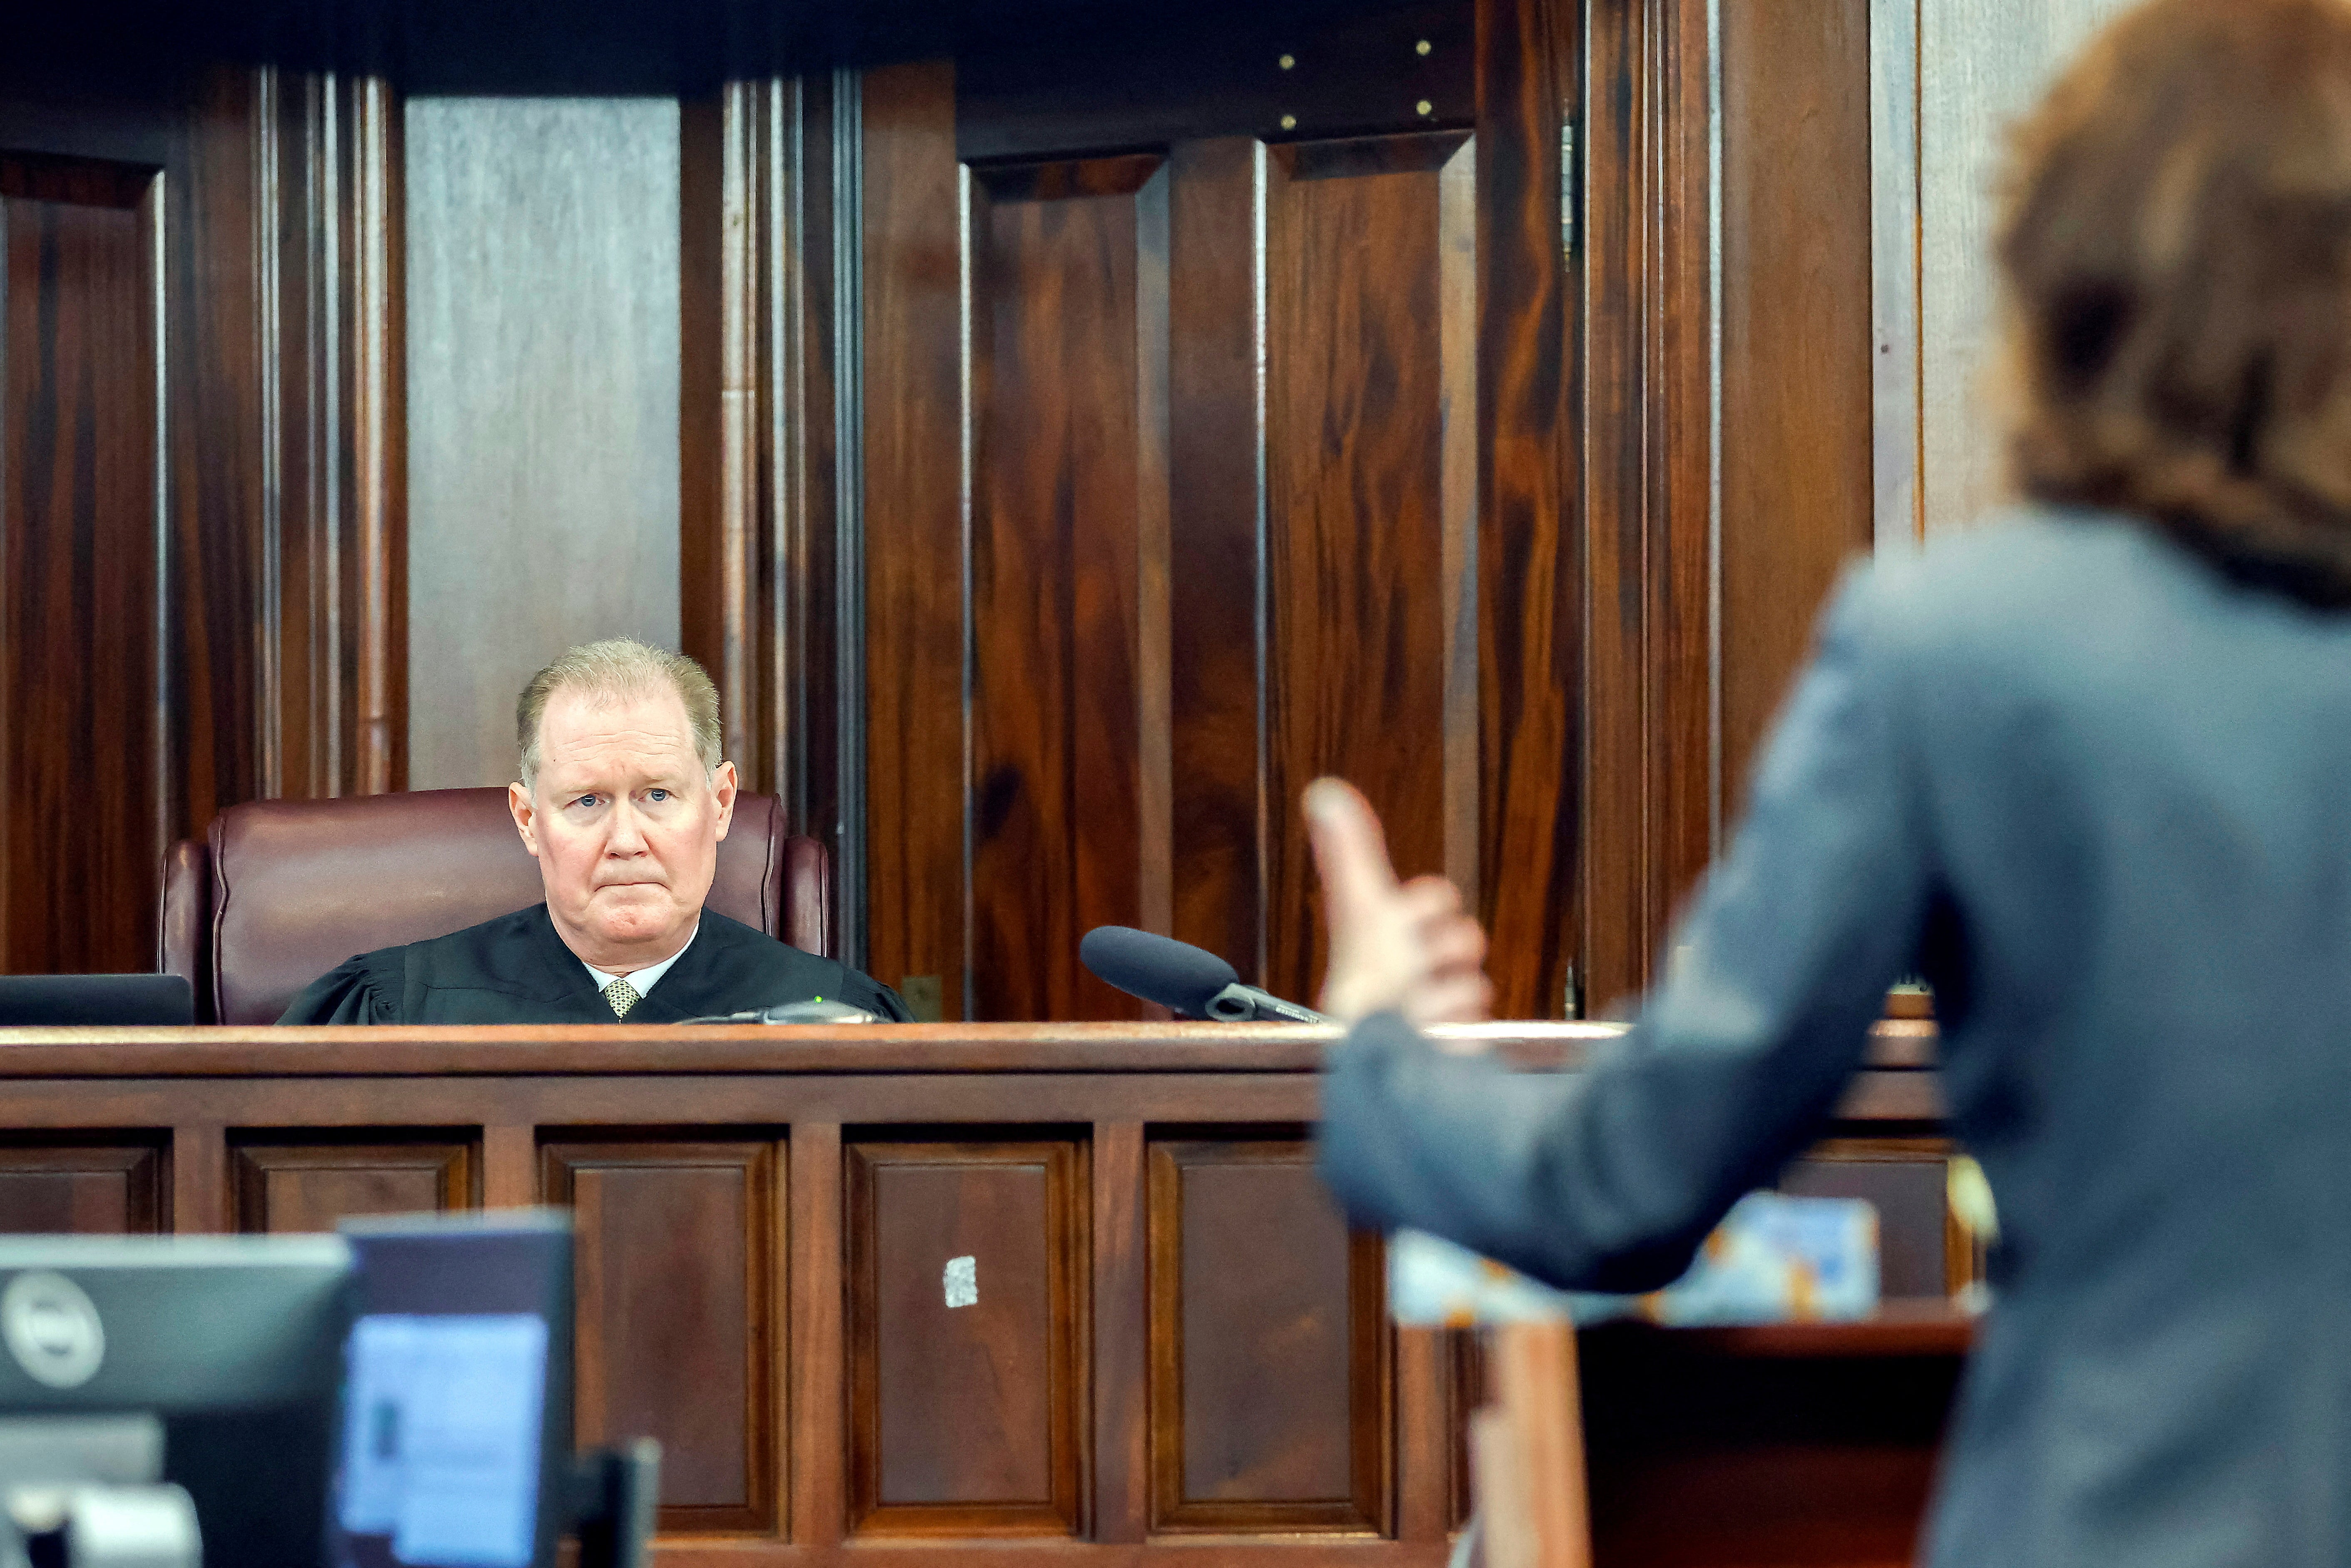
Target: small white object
[{"x": 963, "y": 1283}]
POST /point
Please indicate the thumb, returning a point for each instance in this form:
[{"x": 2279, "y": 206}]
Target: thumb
[{"x": 1351, "y": 853}]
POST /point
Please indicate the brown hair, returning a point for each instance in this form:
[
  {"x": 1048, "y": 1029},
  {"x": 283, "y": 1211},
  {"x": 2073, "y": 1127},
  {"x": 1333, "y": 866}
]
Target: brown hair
[
  {"x": 616, "y": 667},
  {"x": 2175, "y": 251}
]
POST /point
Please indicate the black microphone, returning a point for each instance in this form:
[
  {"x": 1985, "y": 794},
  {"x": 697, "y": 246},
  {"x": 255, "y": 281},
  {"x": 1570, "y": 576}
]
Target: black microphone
[{"x": 1190, "y": 982}]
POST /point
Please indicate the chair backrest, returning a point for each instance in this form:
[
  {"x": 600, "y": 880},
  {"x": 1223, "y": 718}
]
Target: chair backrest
[{"x": 284, "y": 889}]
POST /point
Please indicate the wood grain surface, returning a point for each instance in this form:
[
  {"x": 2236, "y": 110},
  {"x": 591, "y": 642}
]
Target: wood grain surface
[
  {"x": 916, "y": 625},
  {"x": 1529, "y": 548},
  {"x": 201, "y": 431},
  {"x": 81, "y": 1186},
  {"x": 1796, "y": 382},
  {"x": 679, "y": 1330},
  {"x": 1271, "y": 1388},
  {"x": 83, "y": 788},
  {"x": 968, "y": 1411},
  {"x": 1174, "y": 1344},
  {"x": 1360, "y": 236},
  {"x": 291, "y": 1183},
  {"x": 1067, "y": 411}
]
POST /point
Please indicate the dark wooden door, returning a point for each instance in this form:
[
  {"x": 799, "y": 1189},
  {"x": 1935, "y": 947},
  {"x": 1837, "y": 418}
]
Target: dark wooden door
[{"x": 1212, "y": 405}]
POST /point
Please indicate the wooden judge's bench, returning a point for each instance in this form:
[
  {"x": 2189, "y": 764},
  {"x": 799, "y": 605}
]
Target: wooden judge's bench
[{"x": 1169, "y": 1345}]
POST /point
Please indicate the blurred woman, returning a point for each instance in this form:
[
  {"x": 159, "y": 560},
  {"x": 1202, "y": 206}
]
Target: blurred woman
[{"x": 2088, "y": 769}]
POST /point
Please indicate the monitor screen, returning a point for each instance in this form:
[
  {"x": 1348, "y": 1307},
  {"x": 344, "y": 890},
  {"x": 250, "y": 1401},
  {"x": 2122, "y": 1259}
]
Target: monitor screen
[
  {"x": 457, "y": 1407},
  {"x": 225, "y": 1345}
]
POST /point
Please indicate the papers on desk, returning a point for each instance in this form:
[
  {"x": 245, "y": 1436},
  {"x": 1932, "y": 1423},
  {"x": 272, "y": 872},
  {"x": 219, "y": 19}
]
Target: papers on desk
[
  {"x": 1773, "y": 1258},
  {"x": 441, "y": 1437}
]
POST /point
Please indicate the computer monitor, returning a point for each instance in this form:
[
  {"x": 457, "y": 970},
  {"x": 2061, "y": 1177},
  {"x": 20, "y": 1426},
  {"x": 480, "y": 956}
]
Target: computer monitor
[
  {"x": 53, "y": 1000},
  {"x": 457, "y": 1418},
  {"x": 229, "y": 1348}
]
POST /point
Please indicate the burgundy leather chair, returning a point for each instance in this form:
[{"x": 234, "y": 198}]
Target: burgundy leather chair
[{"x": 282, "y": 890}]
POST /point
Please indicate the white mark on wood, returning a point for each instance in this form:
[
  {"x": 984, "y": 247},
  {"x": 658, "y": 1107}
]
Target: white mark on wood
[{"x": 963, "y": 1283}]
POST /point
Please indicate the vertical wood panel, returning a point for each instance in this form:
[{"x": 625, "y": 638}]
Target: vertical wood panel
[
  {"x": 200, "y": 1191},
  {"x": 967, "y": 1413},
  {"x": 83, "y": 1188},
  {"x": 334, "y": 572},
  {"x": 1648, "y": 494},
  {"x": 914, "y": 619},
  {"x": 1798, "y": 451},
  {"x": 678, "y": 1332},
  {"x": 756, "y": 524},
  {"x": 1270, "y": 1378},
  {"x": 79, "y": 844},
  {"x": 222, "y": 365},
  {"x": 1063, "y": 256},
  {"x": 1122, "y": 1336},
  {"x": 1528, "y": 562},
  {"x": 1215, "y": 547},
  {"x": 1356, "y": 413},
  {"x": 818, "y": 1286},
  {"x": 287, "y": 1183}
]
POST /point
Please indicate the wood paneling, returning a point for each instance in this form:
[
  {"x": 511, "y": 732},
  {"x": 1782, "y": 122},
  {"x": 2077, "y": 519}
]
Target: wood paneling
[
  {"x": 300, "y": 1184},
  {"x": 333, "y": 592},
  {"x": 1216, "y": 611},
  {"x": 1270, "y": 1373},
  {"x": 1069, "y": 583},
  {"x": 201, "y": 493},
  {"x": 678, "y": 1326},
  {"x": 1530, "y": 560},
  {"x": 1136, "y": 77},
  {"x": 543, "y": 385},
  {"x": 1216, "y": 414},
  {"x": 1699, "y": 1457},
  {"x": 1647, "y": 494},
  {"x": 1150, "y": 1246},
  {"x": 83, "y": 792},
  {"x": 52, "y": 1187},
  {"x": 758, "y": 521},
  {"x": 967, "y": 1269},
  {"x": 1371, "y": 508},
  {"x": 1798, "y": 491},
  {"x": 912, "y": 474}
]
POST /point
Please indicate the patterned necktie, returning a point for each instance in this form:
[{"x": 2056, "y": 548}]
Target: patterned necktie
[{"x": 623, "y": 996}]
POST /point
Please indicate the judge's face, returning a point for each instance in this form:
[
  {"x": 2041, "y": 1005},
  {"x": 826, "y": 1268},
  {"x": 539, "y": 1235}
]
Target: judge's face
[{"x": 625, "y": 824}]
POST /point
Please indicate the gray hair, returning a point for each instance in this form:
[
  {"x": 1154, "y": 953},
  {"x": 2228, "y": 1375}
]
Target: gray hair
[{"x": 619, "y": 667}]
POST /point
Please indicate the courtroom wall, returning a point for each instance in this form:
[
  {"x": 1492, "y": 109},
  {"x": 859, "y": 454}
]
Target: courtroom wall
[{"x": 1060, "y": 453}]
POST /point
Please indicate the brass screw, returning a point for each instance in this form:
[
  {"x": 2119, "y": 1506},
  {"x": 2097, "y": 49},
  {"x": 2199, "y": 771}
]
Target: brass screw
[
  {"x": 1421, "y": 47},
  {"x": 1426, "y": 108},
  {"x": 1289, "y": 61},
  {"x": 1290, "y": 122}
]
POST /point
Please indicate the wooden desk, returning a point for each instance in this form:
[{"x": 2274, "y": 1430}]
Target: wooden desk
[{"x": 1176, "y": 1342}]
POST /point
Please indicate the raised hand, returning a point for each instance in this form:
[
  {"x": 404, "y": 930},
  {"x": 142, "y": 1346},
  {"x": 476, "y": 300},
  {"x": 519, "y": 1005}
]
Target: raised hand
[{"x": 1408, "y": 946}]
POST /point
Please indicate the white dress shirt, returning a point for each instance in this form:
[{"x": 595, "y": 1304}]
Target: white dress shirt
[{"x": 644, "y": 979}]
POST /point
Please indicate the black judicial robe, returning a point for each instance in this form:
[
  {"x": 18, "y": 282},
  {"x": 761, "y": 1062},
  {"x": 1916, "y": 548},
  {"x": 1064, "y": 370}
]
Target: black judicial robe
[{"x": 515, "y": 969}]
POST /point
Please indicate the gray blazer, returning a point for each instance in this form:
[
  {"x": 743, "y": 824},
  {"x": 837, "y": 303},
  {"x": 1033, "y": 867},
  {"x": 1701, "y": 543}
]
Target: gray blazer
[{"x": 2101, "y": 796}]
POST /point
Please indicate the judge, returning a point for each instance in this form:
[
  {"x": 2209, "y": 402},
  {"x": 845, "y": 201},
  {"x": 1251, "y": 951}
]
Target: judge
[{"x": 622, "y": 800}]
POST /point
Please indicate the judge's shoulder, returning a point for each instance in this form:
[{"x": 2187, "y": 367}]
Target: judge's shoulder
[{"x": 514, "y": 969}]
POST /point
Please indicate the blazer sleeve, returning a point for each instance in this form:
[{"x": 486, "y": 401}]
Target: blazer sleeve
[{"x": 1609, "y": 1179}]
